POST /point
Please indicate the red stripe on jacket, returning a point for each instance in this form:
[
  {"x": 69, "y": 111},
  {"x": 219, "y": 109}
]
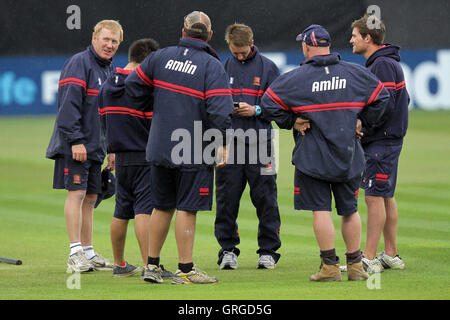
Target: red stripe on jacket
[
  {"x": 217, "y": 92},
  {"x": 143, "y": 77},
  {"x": 124, "y": 71},
  {"x": 81, "y": 82},
  {"x": 248, "y": 92},
  {"x": 376, "y": 93},
  {"x": 181, "y": 89},
  {"x": 78, "y": 82},
  {"x": 394, "y": 86},
  {"x": 123, "y": 110},
  {"x": 381, "y": 177},
  {"x": 92, "y": 92},
  {"x": 329, "y": 106},
  {"x": 327, "y": 109},
  {"x": 276, "y": 99}
]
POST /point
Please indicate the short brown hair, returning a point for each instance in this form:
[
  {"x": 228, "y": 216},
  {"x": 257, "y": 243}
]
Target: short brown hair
[
  {"x": 371, "y": 25},
  {"x": 239, "y": 35},
  {"x": 112, "y": 25}
]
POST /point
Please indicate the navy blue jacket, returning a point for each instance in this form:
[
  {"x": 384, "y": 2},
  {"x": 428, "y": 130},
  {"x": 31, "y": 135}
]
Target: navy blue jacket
[
  {"x": 384, "y": 63},
  {"x": 249, "y": 79},
  {"x": 77, "y": 120},
  {"x": 126, "y": 128},
  {"x": 332, "y": 94},
  {"x": 188, "y": 84}
]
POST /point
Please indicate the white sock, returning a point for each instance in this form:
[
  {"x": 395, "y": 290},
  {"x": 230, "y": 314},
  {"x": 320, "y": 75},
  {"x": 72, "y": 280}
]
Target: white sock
[
  {"x": 75, "y": 247},
  {"x": 89, "y": 252}
]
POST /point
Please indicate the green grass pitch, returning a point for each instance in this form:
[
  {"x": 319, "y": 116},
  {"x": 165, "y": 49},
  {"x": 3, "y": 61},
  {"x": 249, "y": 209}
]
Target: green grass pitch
[{"x": 32, "y": 228}]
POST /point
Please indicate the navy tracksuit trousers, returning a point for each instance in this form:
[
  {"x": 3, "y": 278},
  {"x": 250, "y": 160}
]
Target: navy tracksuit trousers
[{"x": 231, "y": 181}]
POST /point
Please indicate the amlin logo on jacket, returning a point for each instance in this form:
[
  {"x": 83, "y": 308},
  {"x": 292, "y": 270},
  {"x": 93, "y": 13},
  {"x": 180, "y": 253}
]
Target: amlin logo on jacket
[
  {"x": 334, "y": 84},
  {"x": 186, "y": 67}
]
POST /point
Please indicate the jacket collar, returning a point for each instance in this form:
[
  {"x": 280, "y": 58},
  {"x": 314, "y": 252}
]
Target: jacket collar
[
  {"x": 123, "y": 71},
  {"x": 323, "y": 60},
  {"x": 100, "y": 61},
  {"x": 386, "y": 50},
  {"x": 253, "y": 53},
  {"x": 198, "y": 44}
]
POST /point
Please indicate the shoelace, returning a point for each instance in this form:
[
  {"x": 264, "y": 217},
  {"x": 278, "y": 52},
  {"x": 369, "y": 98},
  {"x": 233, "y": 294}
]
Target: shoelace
[
  {"x": 199, "y": 274},
  {"x": 265, "y": 259}
]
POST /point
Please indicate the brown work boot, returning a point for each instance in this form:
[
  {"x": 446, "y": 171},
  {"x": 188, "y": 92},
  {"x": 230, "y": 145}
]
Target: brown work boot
[
  {"x": 356, "y": 271},
  {"x": 327, "y": 272}
]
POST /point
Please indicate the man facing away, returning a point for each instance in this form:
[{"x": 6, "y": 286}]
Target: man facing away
[
  {"x": 382, "y": 144},
  {"x": 127, "y": 129},
  {"x": 333, "y": 96},
  {"x": 76, "y": 144},
  {"x": 250, "y": 75},
  {"x": 190, "y": 93}
]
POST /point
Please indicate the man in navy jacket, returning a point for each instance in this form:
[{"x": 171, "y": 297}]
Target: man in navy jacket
[
  {"x": 127, "y": 130},
  {"x": 250, "y": 75},
  {"x": 333, "y": 96},
  {"x": 76, "y": 144},
  {"x": 190, "y": 93},
  {"x": 382, "y": 144}
]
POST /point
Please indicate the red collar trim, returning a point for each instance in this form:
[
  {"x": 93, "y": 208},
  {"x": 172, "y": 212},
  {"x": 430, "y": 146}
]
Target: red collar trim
[{"x": 124, "y": 71}]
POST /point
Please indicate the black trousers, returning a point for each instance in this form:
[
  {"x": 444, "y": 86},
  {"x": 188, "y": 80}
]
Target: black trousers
[{"x": 231, "y": 181}]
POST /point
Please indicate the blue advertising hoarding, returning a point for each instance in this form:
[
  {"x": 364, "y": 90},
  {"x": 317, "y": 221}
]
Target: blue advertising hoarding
[{"x": 29, "y": 84}]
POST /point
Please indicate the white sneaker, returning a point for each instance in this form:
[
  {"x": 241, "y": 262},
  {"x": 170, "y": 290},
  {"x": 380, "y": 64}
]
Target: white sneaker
[
  {"x": 395, "y": 263},
  {"x": 101, "y": 263},
  {"x": 372, "y": 266},
  {"x": 266, "y": 261},
  {"x": 229, "y": 261},
  {"x": 77, "y": 262}
]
